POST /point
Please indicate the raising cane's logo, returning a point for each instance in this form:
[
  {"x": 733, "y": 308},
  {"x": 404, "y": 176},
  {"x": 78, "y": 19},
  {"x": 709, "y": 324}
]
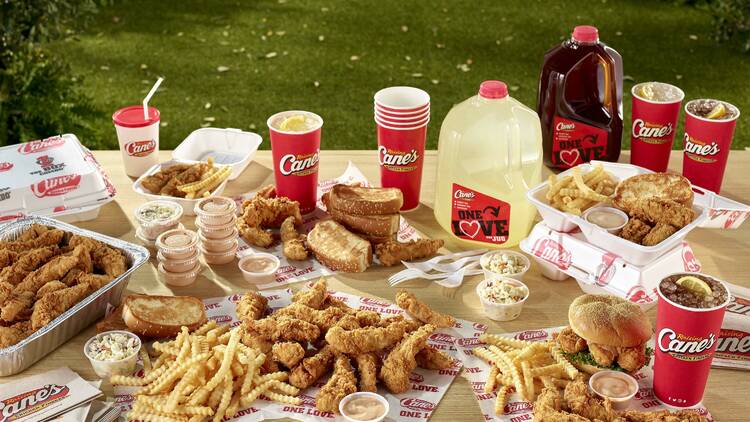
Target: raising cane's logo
[
  {"x": 733, "y": 344},
  {"x": 299, "y": 165},
  {"x": 683, "y": 347},
  {"x": 56, "y": 186},
  {"x": 701, "y": 151},
  {"x": 40, "y": 145},
  {"x": 552, "y": 252},
  {"x": 140, "y": 148},
  {"x": 30, "y": 402},
  {"x": 443, "y": 338},
  {"x": 5, "y": 166},
  {"x": 531, "y": 335},
  {"x": 398, "y": 161},
  {"x": 518, "y": 407},
  {"x": 651, "y": 133},
  {"x": 418, "y": 405}
]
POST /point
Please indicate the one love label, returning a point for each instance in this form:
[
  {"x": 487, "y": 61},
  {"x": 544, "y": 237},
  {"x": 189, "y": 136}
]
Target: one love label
[
  {"x": 479, "y": 217},
  {"x": 574, "y": 143}
]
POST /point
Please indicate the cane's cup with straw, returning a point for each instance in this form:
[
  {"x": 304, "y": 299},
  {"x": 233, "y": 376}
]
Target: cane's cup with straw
[{"x": 138, "y": 134}]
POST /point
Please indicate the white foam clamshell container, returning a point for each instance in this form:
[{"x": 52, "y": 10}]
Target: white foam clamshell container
[
  {"x": 188, "y": 205},
  {"x": 712, "y": 211},
  {"x": 18, "y": 357},
  {"x": 56, "y": 177},
  {"x": 231, "y": 147},
  {"x": 597, "y": 271}
]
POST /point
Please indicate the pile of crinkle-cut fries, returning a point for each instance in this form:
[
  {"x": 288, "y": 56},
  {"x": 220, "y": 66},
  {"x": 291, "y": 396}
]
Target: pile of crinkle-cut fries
[
  {"x": 523, "y": 365},
  {"x": 208, "y": 373},
  {"x": 576, "y": 193}
]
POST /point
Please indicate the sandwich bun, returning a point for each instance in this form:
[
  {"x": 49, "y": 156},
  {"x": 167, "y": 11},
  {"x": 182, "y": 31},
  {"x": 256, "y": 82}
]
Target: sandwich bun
[{"x": 609, "y": 320}]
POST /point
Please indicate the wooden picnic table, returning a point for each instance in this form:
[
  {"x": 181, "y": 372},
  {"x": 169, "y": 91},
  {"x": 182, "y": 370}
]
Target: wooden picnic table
[{"x": 721, "y": 252}]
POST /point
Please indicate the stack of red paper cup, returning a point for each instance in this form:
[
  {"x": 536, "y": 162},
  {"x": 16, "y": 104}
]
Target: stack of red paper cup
[{"x": 401, "y": 115}]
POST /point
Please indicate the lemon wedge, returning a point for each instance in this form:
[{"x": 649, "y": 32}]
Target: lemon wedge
[
  {"x": 294, "y": 123},
  {"x": 695, "y": 284},
  {"x": 647, "y": 92},
  {"x": 717, "y": 112}
]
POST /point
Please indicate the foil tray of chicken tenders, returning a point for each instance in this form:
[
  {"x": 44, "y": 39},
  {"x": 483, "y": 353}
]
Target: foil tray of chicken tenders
[{"x": 25, "y": 339}]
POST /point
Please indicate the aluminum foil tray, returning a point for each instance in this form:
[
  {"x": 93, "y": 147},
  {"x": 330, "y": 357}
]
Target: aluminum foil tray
[{"x": 20, "y": 356}]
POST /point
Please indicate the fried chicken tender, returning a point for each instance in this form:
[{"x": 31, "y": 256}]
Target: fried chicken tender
[
  {"x": 603, "y": 355},
  {"x": 252, "y": 339},
  {"x": 15, "y": 333},
  {"x": 408, "y": 324},
  {"x": 583, "y": 403},
  {"x": 7, "y": 257},
  {"x": 53, "y": 304},
  {"x": 661, "y": 416},
  {"x": 288, "y": 353},
  {"x": 393, "y": 252},
  {"x": 570, "y": 342},
  {"x": 658, "y": 233},
  {"x": 632, "y": 359},
  {"x": 420, "y": 311},
  {"x": 548, "y": 408},
  {"x": 255, "y": 236},
  {"x": 401, "y": 361},
  {"x": 34, "y": 231},
  {"x": 314, "y": 296},
  {"x": 367, "y": 366},
  {"x": 332, "y": 302},
  {"x": 17, "y": 306},
  {"x": 367, "y": 318},
  {"x": 285, "y": 329},
  {"x": 26, "y": 263},
  {"x": 252, "y": 306},
  {"x": 342, "y": 383},
  {"x": 51, "y": 286},
  {"x": 6, "y": 290},
  {"x": 193, "y": 173},
  {"x": 105, "y": 259},
  {"x": 664, "y": 211},
  {"x": 363, "y": 340},
  {"x": 311, "y": 369},
  {"x": 48, "y": 238},
  {"x": 432, "y": 358},
  {"x": 324, "y": 319},
  {"x": 268, "y": 191},
  {"x": 270, "y": 212},
  {"x": 55, "y": 269},
  {"x": 293, "y": 242},
  {"x": 635, "y": 230},
  {"x": 155, "y": 182}
]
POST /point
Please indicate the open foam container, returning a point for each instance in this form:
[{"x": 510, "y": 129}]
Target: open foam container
[{"x": 231, "y": 147}]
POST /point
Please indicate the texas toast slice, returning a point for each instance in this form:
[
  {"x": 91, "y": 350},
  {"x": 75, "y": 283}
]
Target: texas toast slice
[
  {"x": 358, "y": 200},
  {"x": 339, "y": 249}
]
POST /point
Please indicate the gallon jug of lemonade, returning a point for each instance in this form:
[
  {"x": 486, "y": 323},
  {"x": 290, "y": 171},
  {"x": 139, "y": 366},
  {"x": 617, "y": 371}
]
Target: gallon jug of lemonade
[{"x": 489, "y": 155}]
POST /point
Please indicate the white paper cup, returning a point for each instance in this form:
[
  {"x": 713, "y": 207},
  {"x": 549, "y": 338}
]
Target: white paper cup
[
  {"x": 138, "y": 138},
  {"x": 402, "y": 99},
  {"x": 106, "y": 368},
  {"x": 500, "y": 311}
]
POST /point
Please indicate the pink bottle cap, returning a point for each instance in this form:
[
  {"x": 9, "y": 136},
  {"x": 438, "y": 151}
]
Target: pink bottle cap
[
  {"x": 586, "y": 34},
  {"x": 493, "y": 89}
]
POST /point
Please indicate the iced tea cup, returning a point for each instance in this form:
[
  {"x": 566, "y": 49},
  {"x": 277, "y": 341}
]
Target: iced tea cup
[
  {"x": 295, "y": 147},
  {"x": 138, "y": 136},
  {"x": 401, "y": 157},
  {"x": 402, "y": 99},
  {"x": 656, "y": 106}
]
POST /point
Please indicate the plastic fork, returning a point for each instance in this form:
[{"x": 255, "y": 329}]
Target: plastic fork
[
  {"x": 410, "y": 274},
  {"x": 443, "y": 268}
]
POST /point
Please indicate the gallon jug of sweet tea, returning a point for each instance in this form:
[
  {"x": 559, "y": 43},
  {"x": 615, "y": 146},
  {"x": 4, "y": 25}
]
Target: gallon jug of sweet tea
[
  {"x": 489, "y": 156},
  {"x": 580, "y": 101}
]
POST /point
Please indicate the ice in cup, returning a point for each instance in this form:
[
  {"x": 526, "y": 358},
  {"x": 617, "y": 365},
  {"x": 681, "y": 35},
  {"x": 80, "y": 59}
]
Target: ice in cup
[
  {"x": 709, "y": 129},
  {"x": 688, "y": 320},
  {"x": 138, "y": 136},
  {"x": 295, "y": 147},
  {"x": 656, "y": 107}
]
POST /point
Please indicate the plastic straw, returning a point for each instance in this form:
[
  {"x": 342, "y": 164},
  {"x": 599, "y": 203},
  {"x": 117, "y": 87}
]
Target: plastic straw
[{"x": 148, "y": 97}]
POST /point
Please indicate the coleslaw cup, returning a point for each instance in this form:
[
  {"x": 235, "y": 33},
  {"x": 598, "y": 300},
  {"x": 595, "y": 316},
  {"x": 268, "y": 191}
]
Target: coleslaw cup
[
  {"x": 106, "y": 368},
  {"x": 501, "y": 311},
  {"x": 488, "y": 273}
]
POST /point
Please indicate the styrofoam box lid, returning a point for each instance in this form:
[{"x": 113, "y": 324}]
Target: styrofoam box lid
[
  {"x": 227, "y": 146},
  {"x": 48, "y": 174}
]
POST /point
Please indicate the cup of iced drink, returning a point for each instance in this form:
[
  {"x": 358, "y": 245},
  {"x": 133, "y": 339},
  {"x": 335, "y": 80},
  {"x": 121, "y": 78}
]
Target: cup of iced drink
[
  {"x": 709, "y": 129},
  {"x": 689, "y": 314},
  {"x": 138, "y": 136},
  {"x": 656, "y": 106},
  {"x": 295, "y": 147}
]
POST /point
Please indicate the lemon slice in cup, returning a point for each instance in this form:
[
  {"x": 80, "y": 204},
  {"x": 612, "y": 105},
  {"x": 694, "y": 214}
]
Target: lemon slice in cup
[
  {"x": 717, "y": 112},
  {"x": 647, "y": 92},
  {"x": 695, "y": 285},
  {"x": 294, "y": 123}
]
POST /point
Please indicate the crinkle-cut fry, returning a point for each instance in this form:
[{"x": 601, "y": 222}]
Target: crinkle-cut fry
[
  {"x": 252, "y": 367},
  {"x": 570, "y": 370},
  {"x": 557, "y": 370},
  {"x": 215, "y": 397},
  {"x": 205, "y": 328},
  {"x": 530, "y": 351},
  {"x": 224, "y": 338},
  {"x": 513, "y": 371},
  {"x": 155, "y": 417},
  {"x": 226, "y": 361},
  {"x": 213, "y": 180},
  {"x": 511, "y": 353},
  {"x": 253, "y": 394},
  {"x": 185, "y": 346},
  {"x": 196, "y": 418},
  {"x": 502, "y": 398},
  {"x": 491, "y": 383},
  {"x": 528, "y": 381},
  {"x": 500, "y": 341},
  {"x": 284, "y": 387},
  {"x": 283, "y": 398},
  {"x": 226, "y": 398},
  {"x": 486, "y": 355},
  {"x": 164, "y": 359},
  {"x": 166, "y": 379},
  {"x": 199, "y": 396},
  {"x": 585, "y": 189},
  {"x": 237, "y": 369},
  {"x": 278, "y": 376},
  {"x": 504, "y": 379},
  {"x": 133, "y": 381},
  {"x": 158, "y": 406},
  {"x": 164, "y": 348},
  {"x": 234, "y": 405}
]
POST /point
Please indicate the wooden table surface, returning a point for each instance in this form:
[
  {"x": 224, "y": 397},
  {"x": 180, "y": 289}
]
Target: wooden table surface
[{"x": 721, "y": 252}]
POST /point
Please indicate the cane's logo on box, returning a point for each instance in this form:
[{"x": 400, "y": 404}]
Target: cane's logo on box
[
  {"x": 531, "y": 335},
  {"x": 56, "y": 186},
  {"x": 606, "y": 269},
  {"x": 299, "y": 165},
  {"x": 443, "y": 338},
  {"x": 5, "y": 166},
  {"x": 651, "y": 133},
  {"x": 552, "y": 252},
  {"x": 739, "y": 305},
  {"x": 47, "y": 165},
  {"x": 688, "y": 259},
  {"x": 733, "y": 344},
  {"x": 140, "y": 148},
  {"x": 637, "y": 294},
  {"x": 418, "y": 405},
  {"x": 684, "y": 347},
  {"x": 398, "y": 161},
  {"x": 518, "y": 407},
  {"x": 40, "y": 145},
  {"x": 26, "y": 404},
  {"x": 701, "y": 151}
]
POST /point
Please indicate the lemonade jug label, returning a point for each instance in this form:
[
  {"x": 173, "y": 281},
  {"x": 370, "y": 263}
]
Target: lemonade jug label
[
  {"x": 479, "y": 217},
  {"x": 574, "y": 143}
]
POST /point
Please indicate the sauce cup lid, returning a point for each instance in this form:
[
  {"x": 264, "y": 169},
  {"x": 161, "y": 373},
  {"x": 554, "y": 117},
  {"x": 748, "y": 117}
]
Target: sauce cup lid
[
  {"x": 619, "y": 374},
  {"x": 245, "y": 258},
  {"x": 376, "y": 396},
  {"x": 177, "y": 240},
  {"x": 215, "y": 206}
]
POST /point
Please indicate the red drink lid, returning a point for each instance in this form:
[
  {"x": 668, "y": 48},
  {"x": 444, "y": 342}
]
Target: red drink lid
[
  {"x": 586, "y": 33},
  {"x": 132, "y": 116},
  {"x": 493, "y": 89}
]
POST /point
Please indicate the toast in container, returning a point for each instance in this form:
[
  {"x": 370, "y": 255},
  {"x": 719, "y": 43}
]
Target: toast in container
[
  {"x": 653, "y": 185},
  {"x": 162, "y": 316},
  {"x": 358, "y": 200},
  {"x": 339, "y": 249}
]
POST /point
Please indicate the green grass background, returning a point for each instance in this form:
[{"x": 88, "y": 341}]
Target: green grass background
[{"x": 330, "y": 57}]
